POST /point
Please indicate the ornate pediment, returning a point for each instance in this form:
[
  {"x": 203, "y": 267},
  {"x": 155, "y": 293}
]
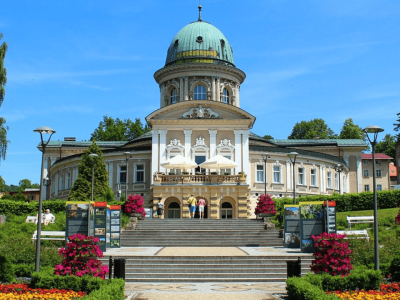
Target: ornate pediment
[{"x": 200, "y": 112}]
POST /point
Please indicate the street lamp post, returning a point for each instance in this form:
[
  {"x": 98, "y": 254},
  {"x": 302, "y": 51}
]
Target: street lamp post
[
  {"x": 127, "y": 156},
  {"x": 292, "y": 156},
  {"x": 265, "y": 157},
  {"x": 93, "y": 163},
  {"x": 375, "y": 130},
  {"x": 41, "y": 130},
  {"x": 339, "y": 168}
]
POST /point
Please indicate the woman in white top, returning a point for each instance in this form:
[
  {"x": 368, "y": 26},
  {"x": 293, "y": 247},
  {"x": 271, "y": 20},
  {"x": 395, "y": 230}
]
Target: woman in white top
[{"x": 202, "y": 203}]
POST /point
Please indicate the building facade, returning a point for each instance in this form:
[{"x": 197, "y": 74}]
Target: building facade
[
  {"x": 382, "y": 170},
  {"x": 200, "y": 117}
]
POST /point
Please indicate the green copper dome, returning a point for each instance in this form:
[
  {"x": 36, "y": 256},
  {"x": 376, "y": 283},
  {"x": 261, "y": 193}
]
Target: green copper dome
[{"x": 199, "y": 42}]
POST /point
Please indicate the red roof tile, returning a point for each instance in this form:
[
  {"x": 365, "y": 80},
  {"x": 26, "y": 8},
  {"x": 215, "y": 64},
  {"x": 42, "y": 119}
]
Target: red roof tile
[{"x": 377, "y": 156}]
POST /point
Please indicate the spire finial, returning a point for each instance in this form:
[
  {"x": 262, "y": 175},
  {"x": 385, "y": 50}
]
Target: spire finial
[{"x": 199, "y": 10}]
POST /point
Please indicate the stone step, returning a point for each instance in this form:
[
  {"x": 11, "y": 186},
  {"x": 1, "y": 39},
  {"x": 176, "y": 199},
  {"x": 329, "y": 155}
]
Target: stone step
[{"x": 195, "y": 276}]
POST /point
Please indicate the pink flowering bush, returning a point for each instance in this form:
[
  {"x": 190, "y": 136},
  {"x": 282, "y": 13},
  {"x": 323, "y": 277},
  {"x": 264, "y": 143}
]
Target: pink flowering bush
[
  {"x": 79, "y": 257},
  {"x": 265, "y": 205},
  {"x": 332, "y": 255},
  {"x": 134, "y": 204}
]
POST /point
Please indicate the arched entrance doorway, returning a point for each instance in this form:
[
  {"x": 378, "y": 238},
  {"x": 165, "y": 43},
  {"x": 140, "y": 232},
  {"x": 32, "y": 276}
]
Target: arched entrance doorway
[
  {"x": 197, "y": 214},
  {"x": 172, "y": 208},
  {"x": 226, "y": 210}
]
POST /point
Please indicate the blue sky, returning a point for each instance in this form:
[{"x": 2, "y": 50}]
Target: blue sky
[{"x": 69, "y": 63}]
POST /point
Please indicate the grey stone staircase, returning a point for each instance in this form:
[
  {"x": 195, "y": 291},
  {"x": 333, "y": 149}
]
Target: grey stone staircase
[
  {"x": 209, "y": 269},
  {"x": 200, "y": 233}
]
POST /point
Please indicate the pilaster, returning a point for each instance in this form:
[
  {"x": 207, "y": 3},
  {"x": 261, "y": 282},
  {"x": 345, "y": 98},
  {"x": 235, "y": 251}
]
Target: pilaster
[
  {"x": 238, "y": 150},
  {"x": 181, "y": 88},
  {"x": 213, "y": 87},
  {"x": 186, "y": 96},
  {"x": 188, "y": 142},
  {"x": 163, "y": 145},
  {"x": 359, "y": 175},
  {"x": 218, "y": 90},
  {"x": 213, "y": 142},
  {"x": 245, "y": 153},
  {"x": 154, "y": 154}
]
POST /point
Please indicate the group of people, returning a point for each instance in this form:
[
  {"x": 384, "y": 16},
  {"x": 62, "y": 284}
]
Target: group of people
[{"x": 193, "y": 204}]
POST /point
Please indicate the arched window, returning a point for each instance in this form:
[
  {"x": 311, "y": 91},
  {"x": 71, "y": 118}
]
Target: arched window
[
  {"x": 225, "y": 96},
  {"x": 199, "y": 93},
  {"x": 173, "y": 96}
]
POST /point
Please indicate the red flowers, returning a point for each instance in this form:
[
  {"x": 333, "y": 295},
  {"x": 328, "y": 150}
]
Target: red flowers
[
  {"x": 134, "y": 204},
  {"x": 79, "y": 257},
  {"x": 22, "y": 291},
  {"x": 332, "y": 255},
  {"x": 265, "y": 205}
]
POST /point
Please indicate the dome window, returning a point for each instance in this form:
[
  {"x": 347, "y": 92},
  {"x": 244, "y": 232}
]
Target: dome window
[
  {"x": 199, "y": 93},
  {"x": 222, "y": 42},
  {"x": 199, "y": 39},
  {"x": 176, "y": 42},
  {"x": 225, "y": 96},
  {"x": 173, "y": 96}
]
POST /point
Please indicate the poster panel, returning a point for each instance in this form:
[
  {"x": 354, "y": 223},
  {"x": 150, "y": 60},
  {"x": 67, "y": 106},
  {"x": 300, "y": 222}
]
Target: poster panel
[
  {"x": 115, "y": 226},
  {"x": 108, "y": 226},
  {"x": 330, "y": 216},
  {"x": 292, "y": 226},
  {"x": 311, "y": 223},
  {"x": 76, "y": 218},
  {"x": 100, "y": 223}
]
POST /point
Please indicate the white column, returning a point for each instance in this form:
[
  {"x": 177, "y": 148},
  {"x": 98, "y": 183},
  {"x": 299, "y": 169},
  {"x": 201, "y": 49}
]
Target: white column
[
  {"x": 237, "y": 95},
  {"x": 218, "y": 90},
  {"x": 213, "y": 142},
  {"x": 359, "y": 175},
  {"x": 111, "y": 174},
  {"x": 186, "y": 88},
  {"x": 288, "y": 181},
  {"x": 181, "y": 89},
  {"x": 321, "y": 180},
  {"x": 213, "y": 88},
  {"x": 238, "y": 150},
  {"x": 163, "y": 145},
  {"x": 341, "y": 181},
  {"x": 162, "y": 92},
  {"x": 246, "y": 154},
  {"x": 56, "y": 185},
  {"x": 154, "y": 153},
  {"x": 188, "y": 142}
]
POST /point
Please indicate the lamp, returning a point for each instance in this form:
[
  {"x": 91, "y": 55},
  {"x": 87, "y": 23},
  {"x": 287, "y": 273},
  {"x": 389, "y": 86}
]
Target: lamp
[
  {"x": 93, "y": 163},
  {"x": 265, "y": 157},
  {"x": 292, "y": 157},
  {"x": 339, "y": 168},
  {"x": 375, "y": 130},
  {"x": 41, "y": 130},
  {"x": 127, "y": 156}
]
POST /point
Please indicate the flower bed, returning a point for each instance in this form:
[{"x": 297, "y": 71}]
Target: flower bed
[
  {"x": 387, "y": 291},
  {"x": 22, "y": 291}
]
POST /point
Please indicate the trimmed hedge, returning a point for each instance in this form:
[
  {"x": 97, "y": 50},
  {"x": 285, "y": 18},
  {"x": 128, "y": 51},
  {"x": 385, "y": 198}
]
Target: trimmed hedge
[
  {"x": 349, "y": 202},
  {"x": 95, "y": 287},
  {"x": 313, "y": 286},
  {"x": 11, "y": 207}
]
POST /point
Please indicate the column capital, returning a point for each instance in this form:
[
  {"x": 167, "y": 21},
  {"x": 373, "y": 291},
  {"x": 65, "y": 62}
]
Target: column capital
[
  {"x": 188, "y": 132},
  {"x": 163, "y": 133},
  {"x": 154, "y": 133},
  {"x": 213, "y": 133}
]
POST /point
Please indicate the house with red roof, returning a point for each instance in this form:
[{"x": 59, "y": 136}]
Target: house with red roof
[{"x": 382, "y": 171}]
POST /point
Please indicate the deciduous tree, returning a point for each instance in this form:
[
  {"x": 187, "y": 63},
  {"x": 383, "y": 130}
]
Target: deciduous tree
[
  {"x": 387, "y": 146},
  {"x": 397, "y": 127},
  {"x": 117, "y": 130},
  {"x": 82, "y": 188},
  {"x": 312, "y": 129},
  {"x": 3, "y": 80}
]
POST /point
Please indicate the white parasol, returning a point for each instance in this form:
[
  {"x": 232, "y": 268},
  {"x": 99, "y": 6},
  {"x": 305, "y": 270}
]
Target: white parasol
[
  {"x": 179, "y": 162},
  {"x": 218, "y": 162}
]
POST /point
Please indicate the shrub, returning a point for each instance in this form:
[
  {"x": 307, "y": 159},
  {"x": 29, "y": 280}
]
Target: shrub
[
  {"x": 6, "y": 270},
  {"x": 265, "y": 205},
  {"x": 301, "y": 289},
  {"x": 331, "y": 255},
  {"x": 394, "y": 268},
  {"x": 24, "y": 270},
  {"x": 134, "y": 204}
]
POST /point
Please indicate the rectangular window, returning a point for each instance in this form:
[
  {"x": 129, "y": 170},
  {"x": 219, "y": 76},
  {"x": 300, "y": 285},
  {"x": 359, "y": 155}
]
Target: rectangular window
[
  {"x": 330, "y": 180},
  {"x": 301, "y": 176},
  {"x": 336, "y": 181},
  {"x": 366, "y": 187},
  {"x": 67, "y": 181},
  {"x": 379, "y": 187},
  {"x": 378, "y": 162},
  {"x": 366, "y": 173},
  {"x": 277, "y": 174},
  {"x": 260, "y": 173},
  {"x": 378, "y": 173},
  {"x": 61, "y": 183},
  {"x": 365, "y": 162},
  {"x": 139, "y": 173},
  {"x": 122, "y": 174},
  {"x": 313, "y": 177}
]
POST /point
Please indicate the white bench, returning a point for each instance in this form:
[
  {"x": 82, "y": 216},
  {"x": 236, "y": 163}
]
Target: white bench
[
  {"x": 49, "y": 235},
  {"x": 354, "y": 234},
  {"x": 359, "y": 219}
]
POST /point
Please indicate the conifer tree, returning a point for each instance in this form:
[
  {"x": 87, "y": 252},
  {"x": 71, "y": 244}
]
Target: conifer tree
[{"x": 82, "y": 189}]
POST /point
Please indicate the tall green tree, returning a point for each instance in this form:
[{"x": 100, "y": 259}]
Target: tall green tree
[
  {"x": 3, "y": 185},
  {"x": 268, "y": 137},
  {"x": 352, "y": 131},
  {"x": 117, "y": 130},
  {"x": 82, "y": 188},
  {"x": 387, "y": 145},
  {"x": 3, "y": 80},
  {"x": 312, "y": 129},
  {"x": 397, "y": 127},
  {"x": 26, "y": 184}
]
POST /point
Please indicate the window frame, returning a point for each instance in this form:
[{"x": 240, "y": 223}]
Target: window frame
[
  {"x": 313, "y": 177},
  {"x": 226, "y": 96},
  {"x": 173, "y": 96},
  {"x": 61, "y": 183},
  {"x": 67, "y": 181},
  {"x": 260, "y": 171},
  {"x": 378, "y": 173},
  {"x": 301, "y": 175},
  {"x": 366, "y": 187},
  {"x": 329, "y": 178},
  {"x": 120, "y": 172},
  {"x": 379, "y": 187},
  {"x": 365, "y": 173},
  {"x": 279, "y": 172},
  {"x": 197, "y": 93},
  {"x": 365, "y": 162},
  {"x": 138, "y": 172}
]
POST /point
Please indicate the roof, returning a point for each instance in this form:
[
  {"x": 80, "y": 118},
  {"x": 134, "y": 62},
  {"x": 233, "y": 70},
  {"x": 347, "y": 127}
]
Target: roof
[
  {"x": 101, "y": 144},
  {"x": 377, "y": 156},
  {"x": 199, "y": 42}
]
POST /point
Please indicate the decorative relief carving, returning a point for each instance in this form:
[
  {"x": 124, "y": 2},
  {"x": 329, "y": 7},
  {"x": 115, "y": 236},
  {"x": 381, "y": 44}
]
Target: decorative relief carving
[
  {"x": 175, "y": 143},
  {"x": 200, "y": 112},
  {"x": 176, "y": 83},
  {"x": 200, "y": 142}
]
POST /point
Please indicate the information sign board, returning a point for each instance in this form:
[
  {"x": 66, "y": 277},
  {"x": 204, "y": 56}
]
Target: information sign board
[
  {"x": 330, "y": 216},
  {"x": 76, "y": 218},
  {"x": 292, "y": 226},
  {"x": 311, "y": 223},
  {"x": 100, "y": 219},
  {"x": 115, "y": 228}
]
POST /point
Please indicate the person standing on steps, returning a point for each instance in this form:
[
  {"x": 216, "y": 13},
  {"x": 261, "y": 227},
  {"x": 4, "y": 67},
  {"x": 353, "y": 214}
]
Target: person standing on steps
[
  {"x": 192, "y": 202},
  {"x": 160, "y": 208},
  {"x": 202, "y": 203}
]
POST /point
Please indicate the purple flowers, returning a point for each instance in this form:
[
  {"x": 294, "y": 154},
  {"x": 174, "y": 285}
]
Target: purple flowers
[{"x": 134, "y": 204}]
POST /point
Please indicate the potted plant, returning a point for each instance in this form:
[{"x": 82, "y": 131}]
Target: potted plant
[
  {"x": 134, "y": 206},
  {"x": 213, "y": 173},
  {"x": 185, "y": 173},
  {"x": 265, "y": 206},
  {"x": 171, "y": 173}
]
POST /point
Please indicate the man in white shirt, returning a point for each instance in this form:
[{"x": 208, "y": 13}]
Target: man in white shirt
[{"x": 48, "y": 217}]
